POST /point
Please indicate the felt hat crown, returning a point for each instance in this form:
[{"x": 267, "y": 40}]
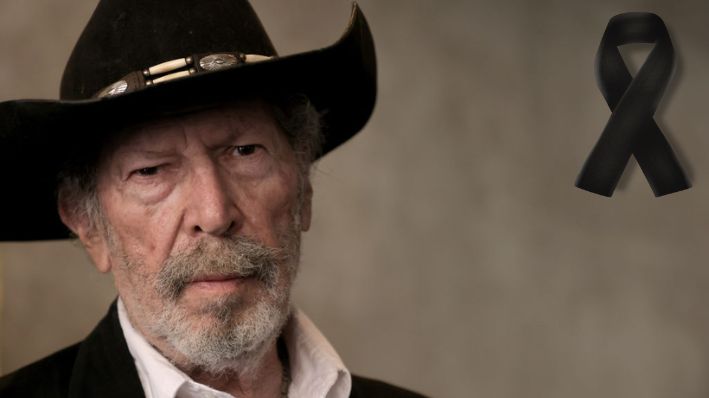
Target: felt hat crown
[
  {"x": 136, "y": 59},
  {"x": 129, "y": 35}
]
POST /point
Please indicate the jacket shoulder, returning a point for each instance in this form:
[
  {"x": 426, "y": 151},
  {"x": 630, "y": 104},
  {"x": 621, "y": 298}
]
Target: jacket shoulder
[
  {"x": 49, "y": 377},
  {"x": 363, "y": 387}
]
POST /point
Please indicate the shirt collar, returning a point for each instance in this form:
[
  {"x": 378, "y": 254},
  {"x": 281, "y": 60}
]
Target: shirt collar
[
  {"x": 316, "y": 369},
  {"x": 151, "y": 365}
]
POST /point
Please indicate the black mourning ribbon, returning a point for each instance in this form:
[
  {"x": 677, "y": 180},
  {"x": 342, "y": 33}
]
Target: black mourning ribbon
[{"x": 633, "y": 102}]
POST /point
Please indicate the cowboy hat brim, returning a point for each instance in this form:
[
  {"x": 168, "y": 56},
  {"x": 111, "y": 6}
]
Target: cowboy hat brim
[{"x": 37, "y": 135}]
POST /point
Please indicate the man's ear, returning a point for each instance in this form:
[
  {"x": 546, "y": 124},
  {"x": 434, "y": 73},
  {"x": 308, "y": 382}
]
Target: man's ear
[
  {"x": 306, "y": 209},
  {"x": 88, "y": 233}
]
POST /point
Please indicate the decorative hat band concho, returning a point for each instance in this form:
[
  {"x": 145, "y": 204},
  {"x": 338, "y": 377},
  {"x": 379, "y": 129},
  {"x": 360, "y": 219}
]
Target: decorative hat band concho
[{"x": 176, "y": 69}]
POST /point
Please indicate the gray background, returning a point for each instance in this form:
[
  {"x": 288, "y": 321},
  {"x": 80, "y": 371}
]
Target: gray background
[{"x": 450, "y": 251}]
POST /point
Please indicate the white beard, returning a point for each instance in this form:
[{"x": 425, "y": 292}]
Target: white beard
[{"x": 227, "y": 333}]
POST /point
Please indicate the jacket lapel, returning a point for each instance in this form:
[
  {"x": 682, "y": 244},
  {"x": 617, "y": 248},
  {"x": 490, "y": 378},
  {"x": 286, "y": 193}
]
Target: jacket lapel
[{"x": 104, "y": 367}]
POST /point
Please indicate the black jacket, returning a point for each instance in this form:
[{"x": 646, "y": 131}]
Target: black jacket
[{"x": 101, "y": 366}]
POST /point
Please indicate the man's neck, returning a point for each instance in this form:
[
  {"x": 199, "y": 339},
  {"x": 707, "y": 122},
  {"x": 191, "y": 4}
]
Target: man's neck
[{"x": 263, "y": 381}]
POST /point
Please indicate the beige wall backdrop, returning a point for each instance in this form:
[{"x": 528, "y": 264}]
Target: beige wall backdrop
[{"x": 450, "y": 251}]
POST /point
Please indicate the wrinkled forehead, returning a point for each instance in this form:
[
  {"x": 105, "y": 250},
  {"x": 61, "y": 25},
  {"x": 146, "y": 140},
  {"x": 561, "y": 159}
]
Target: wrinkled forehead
[{"x": 212, "y": 127}]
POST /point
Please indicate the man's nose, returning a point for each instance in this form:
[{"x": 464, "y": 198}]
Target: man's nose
[{"x": 212, "y": 209}]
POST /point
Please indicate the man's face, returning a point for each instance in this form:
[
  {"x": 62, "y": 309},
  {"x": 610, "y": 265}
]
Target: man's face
[{"x": 203, "y": 214}]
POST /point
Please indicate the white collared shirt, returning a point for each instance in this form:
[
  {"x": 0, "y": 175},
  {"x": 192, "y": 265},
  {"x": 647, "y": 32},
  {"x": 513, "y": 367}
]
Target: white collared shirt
[{"x": 316, "y": 369}]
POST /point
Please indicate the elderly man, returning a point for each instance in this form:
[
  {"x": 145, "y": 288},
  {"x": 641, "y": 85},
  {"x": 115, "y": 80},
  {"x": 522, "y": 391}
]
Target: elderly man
[{"x": 179, "y": 156}]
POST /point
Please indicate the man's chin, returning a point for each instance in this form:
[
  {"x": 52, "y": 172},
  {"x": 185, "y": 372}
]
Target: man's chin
[
  {"x": 223, "y": 331},
  {"x": 213, "y": 307}
]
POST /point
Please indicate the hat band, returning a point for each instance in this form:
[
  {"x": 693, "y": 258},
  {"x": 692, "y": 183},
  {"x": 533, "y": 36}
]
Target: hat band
[{"x": 175, "y": 69}]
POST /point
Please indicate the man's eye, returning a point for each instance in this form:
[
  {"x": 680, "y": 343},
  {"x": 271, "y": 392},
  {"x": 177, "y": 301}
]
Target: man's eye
[
  {"x": 147, "y": 171},
  {"x": 245, "y": 150}
]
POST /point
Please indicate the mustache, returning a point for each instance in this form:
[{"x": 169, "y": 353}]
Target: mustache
[{"x": 230, "y": 258}]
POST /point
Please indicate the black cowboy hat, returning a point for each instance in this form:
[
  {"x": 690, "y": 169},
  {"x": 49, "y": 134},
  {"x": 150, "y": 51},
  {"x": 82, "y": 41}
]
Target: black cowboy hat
[{"x": 137, "y": 59}]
